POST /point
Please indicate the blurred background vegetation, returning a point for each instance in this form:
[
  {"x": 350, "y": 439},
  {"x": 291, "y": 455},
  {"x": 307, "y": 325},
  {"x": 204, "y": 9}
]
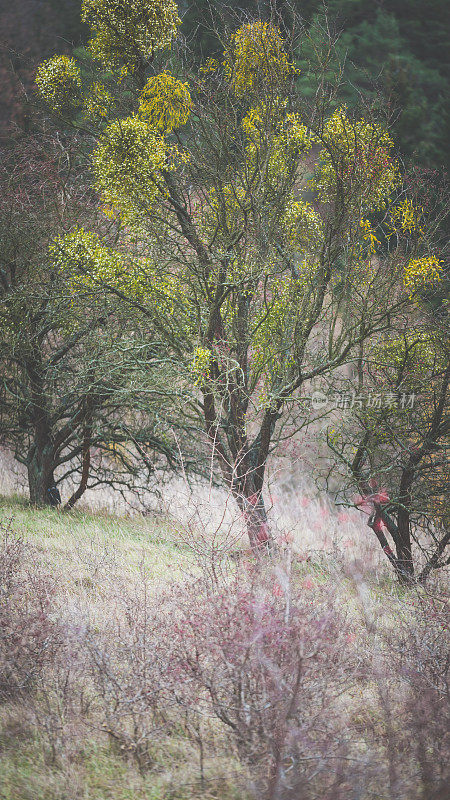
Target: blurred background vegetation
[{"x": 397, "y": 49}]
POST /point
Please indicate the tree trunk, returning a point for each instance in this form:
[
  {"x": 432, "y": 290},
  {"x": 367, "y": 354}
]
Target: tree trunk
[
  {"x": 404, "y": 554},
  {"x": 404, "y": 543},
  {"x": 403, "y": 565},
  {"x": 40, "y": 474},
  {"x": 85, "y": 466},
  {"x": 258, "y": 530},
  {"x": 40, "y": 460},
  {"x": 251, "y": 502}
]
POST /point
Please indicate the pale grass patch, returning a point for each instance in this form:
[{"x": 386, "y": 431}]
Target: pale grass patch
[{"x": 89, "y": 552}]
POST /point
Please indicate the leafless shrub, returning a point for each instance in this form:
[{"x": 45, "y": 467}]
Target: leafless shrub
[
  {"x": 256, "y": 660},
  {"x": 29, "y": 635},
  {"x": 273, "y": 675},
  {"x": 406, "y": 713},
  {"x": 128, "y": 661},
  {"x": 419, "y": 655}
]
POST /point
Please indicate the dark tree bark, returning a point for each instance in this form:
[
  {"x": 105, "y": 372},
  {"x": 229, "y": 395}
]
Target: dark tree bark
[
  {"x": 404, "y": 540},
  {"x": 85, "y": 466},
  {"x": 378, "y": 521},
  {"x": 40, "y": 473},
  {"x": 40, "y": 457}
]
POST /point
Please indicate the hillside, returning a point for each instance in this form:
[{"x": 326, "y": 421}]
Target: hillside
[{"x": 100, "y": 579}]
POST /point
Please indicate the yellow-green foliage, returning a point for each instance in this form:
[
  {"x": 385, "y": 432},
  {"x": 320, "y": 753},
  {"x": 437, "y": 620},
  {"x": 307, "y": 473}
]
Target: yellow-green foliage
[
  {"x": 128, "y": 34},
  {"x": 368, "y": 235},
  {"x": 416, "y": 354},
  {"x": 126, "y": 164},
  {"x": 90, "y": 264},
  {"x": 210, "y": 65},
  {"x": 256, "y": 55},
  {"x": 200, "y": 364},
  {"x": 407, "y": 217},
  {"x": 355, "y": 166},
  {"x": 275, "y": 321},
  {"x": 274, "y": 140},
  {"x": 165, "y": 102},
  {"x": 421, "y": 273},
  {"x": 302, "y": 225},
  {"x": 80, "y": 253},
  {"x": 98, "y": 102},
  {"x": 59, "y": 83}
]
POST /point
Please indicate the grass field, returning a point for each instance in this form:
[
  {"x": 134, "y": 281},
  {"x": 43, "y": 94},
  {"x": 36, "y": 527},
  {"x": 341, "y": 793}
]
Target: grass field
[
  {"x": 89, "y": 553},
  {"x": 54, "y": 742},
  {"x": 77, "y": 544}
]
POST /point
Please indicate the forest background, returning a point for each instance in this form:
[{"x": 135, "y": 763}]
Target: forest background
[{"x": 399, "y": 47}]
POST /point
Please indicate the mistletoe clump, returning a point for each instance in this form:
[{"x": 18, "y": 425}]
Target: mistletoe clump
[
  {"x": 126, "y": 164},
  {"x": 256, "y": 55},
  {"x": 129, "y": 34},
  {"x": 420, "y": 273},
  {"x": 59, "y": 83},
  {"x": 165, "y": 102},
  {"x": 356, "y": 167}
]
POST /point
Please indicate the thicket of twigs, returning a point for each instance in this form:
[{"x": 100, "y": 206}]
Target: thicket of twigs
[{"x": 313, "y": 696}]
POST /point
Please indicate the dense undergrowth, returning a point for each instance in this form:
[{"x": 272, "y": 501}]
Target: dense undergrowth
[{"x": 134, "y": 667}]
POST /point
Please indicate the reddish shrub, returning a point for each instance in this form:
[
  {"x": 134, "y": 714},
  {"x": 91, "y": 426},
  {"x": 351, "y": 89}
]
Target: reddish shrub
[
  {"x": 274, "y": 679},
  {"x": 29, "y": 637}
]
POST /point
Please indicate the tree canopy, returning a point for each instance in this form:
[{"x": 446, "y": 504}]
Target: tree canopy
[{"x": 240, "y": 219}]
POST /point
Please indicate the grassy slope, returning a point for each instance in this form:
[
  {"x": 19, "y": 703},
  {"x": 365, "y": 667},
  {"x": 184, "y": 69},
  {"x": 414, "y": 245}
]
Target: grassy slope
[
  {"x": 85, "y": 550},
  {"x": 90, "y": 553},
  {"x": 73, "y": 543}
]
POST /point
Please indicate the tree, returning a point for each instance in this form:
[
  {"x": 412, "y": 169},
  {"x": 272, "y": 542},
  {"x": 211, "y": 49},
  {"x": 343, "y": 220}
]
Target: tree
[
  {"x": 393, "y": 445},
  {"x": 256, "y": 290},
  {"x": 385, "y": 48},
  {"x": 394, "y": 449},
  {"x": 77, "y": 397},
  {"x": 30, "y": 31}
]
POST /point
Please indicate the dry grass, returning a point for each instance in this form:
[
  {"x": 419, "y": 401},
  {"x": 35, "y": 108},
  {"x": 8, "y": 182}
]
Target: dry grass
[
  {"x": 93, "y": 556},
  {"x": 100, "y": 559}
]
